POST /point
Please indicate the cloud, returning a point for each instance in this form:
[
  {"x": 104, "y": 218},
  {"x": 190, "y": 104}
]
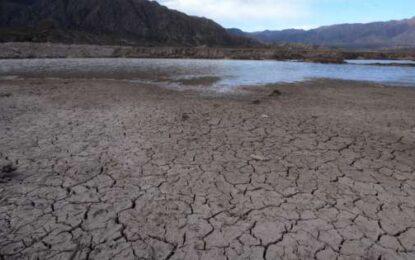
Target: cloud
[
  {"x": 237, "y": 9},
  {"x": 256, "y": 15},
  {"x": 246, "y": 14}
]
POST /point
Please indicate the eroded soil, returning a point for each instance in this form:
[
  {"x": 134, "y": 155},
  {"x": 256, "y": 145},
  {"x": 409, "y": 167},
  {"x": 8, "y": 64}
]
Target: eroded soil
[{"x": 110, "y": 170}]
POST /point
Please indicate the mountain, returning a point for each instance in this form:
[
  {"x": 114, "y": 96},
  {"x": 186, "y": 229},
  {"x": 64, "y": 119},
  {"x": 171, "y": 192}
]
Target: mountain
[
  {"x": 131, "y": 22},
  {"x": 237, "y": 32},
  {"x": 392, "y": 34}
]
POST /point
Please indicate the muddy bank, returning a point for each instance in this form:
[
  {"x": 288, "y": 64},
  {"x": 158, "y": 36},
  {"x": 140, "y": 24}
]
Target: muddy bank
[{"x": 114, "y": 170}]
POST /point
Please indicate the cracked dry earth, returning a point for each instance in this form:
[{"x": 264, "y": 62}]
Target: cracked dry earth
[{"x": 96, "y": 169}]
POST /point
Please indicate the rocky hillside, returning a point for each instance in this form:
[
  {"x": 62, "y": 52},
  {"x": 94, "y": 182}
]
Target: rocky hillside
[
  {"x": 22, "y": 50},
  {"x": 135, "y": 22},
  {"x": 392, "y": 34}
]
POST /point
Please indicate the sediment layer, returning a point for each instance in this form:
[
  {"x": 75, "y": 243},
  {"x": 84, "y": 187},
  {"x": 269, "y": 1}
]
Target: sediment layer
[{"x": 110, "y": 170}]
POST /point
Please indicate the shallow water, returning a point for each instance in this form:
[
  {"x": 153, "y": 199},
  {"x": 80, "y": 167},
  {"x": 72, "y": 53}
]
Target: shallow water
[
  {"x": 391, "y": 62},
  {"x": 230, "y": 73}
]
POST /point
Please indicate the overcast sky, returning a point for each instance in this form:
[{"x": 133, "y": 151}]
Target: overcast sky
[{"x": 255, "y": 15}]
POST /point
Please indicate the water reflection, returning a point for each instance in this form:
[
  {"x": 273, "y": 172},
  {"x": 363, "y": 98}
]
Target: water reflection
[{"x": 230, "y": 73}]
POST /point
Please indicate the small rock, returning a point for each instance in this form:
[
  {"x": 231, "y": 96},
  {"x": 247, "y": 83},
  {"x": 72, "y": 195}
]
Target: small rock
[
  {"x": 8, "y": 168},
  {"x": 185, "y": 116},
  {"x": 259, "y": 157},
  {"x": 264, "y": 116},
  {"x": 275, "y": 93},
  {"x": 214, "y": 121},
  {"x": 290, "y": 191},
  {"x": 5, "y": 95},
  {"x": 256, "y": 102},
  {"x": 6, "y": 172}
]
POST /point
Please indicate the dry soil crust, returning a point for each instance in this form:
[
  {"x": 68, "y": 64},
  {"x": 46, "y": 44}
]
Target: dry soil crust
[{"x": 111, "y": 170}]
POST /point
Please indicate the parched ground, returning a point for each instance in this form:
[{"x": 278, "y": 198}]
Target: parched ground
[{"x": 95, "y": 169}]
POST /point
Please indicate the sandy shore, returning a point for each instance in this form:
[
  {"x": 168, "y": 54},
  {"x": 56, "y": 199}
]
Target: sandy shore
[{"x": 113, "y": 170}]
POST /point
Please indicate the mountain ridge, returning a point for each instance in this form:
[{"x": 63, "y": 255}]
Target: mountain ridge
[
  {"x": 375, "y": 35},
  {"x": 127, "y": 22}
]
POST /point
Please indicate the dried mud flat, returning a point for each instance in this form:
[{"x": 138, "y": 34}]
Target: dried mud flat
[{"x": 95, "y": 169}]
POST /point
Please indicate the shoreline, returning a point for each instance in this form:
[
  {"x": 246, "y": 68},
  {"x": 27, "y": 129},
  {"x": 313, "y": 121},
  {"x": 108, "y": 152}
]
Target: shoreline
[
  {"x": 21, "y": 50},
  {"x": 207, "y": 82},
  {"x": 58, "y": 50},
  {"x": 164, "y": 83},
  {"x": 186, "y": 85}
]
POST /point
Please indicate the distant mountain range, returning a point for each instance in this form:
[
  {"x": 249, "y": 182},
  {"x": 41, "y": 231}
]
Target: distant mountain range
[
  {"x": 378, "y": 35},
  {"x": 147, "y": 23},
  {"x": 131, "y": 22}
]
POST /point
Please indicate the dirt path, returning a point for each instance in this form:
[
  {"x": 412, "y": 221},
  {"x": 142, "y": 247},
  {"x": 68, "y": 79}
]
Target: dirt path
[{"x": 111, "y": 170}]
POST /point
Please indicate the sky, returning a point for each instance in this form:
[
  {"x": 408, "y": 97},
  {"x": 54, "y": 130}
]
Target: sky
[{"x": 258, "y": 15}]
